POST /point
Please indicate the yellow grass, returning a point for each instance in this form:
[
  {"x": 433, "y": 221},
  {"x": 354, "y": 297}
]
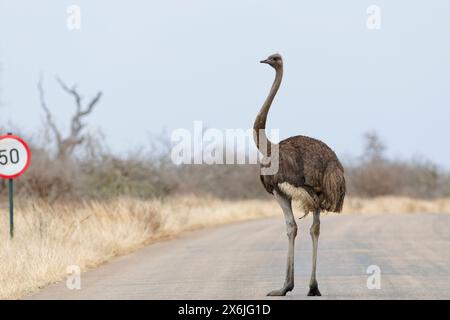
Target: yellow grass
[
  {"x": 395, "y": 205},
  {"x": 49, "y": 238}
]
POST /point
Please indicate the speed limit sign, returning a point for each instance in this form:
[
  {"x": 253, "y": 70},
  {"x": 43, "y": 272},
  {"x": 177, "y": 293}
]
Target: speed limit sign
[
  {"x": 15, "y": 159},
  {"x": 15, "y": 156}
]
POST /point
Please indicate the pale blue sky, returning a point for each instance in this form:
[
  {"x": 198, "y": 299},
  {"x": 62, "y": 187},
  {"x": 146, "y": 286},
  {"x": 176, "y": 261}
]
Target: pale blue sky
[{"x": 168, "y": 63}]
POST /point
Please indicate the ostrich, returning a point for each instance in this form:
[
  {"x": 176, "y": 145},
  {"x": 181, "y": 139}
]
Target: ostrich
[{"x": 309, "y": 175}]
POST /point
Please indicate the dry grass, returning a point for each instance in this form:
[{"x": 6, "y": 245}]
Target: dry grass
[
  {"x": 395, "y": 205},
  {"x": 50, "y": 238}
]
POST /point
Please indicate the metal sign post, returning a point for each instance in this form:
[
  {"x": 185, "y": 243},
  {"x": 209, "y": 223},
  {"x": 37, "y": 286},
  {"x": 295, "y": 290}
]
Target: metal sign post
[
  {"x": 15, "y": 159},
  {"x": 11, "y": 207}
]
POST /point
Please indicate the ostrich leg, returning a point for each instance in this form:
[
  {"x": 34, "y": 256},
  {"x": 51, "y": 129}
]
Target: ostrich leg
[
  {"x": 315, "y": 231},
  {"x": 291, "y": 228}
]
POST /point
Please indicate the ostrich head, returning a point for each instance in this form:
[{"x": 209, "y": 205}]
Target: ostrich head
[{"x": 274, "y": 60}]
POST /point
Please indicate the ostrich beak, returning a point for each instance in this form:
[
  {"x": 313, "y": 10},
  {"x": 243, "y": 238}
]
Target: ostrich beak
[{"x": 264, "y": 61}]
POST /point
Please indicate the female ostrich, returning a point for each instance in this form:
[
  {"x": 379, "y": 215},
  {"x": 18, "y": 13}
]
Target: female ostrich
[{"x": 309, "y": 174}]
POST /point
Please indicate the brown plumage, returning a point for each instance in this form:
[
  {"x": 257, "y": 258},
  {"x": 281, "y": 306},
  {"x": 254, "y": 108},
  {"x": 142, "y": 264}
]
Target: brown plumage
[
  {"x": 310, "y": 164},
  {"x": 309, "y": 174}
]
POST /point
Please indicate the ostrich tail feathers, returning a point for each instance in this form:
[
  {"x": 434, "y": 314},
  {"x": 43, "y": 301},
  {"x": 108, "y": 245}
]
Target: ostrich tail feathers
[{"x": 333, "y": 188}]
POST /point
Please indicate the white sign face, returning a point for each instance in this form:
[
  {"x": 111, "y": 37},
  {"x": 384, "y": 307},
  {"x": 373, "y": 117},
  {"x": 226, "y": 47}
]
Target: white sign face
[{"x": 14, "y": 157}]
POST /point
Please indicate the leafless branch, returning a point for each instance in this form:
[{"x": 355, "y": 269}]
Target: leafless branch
[
  {"x": 67, "y": 145},
  {"x": 49, "y": 117}
]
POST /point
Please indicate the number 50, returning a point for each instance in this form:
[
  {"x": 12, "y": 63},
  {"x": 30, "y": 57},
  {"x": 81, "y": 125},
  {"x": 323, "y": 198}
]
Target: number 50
[{"x": 13, "y": 157}]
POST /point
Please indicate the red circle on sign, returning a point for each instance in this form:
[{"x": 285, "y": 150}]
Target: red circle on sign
[{"x": 25, "y": 145}]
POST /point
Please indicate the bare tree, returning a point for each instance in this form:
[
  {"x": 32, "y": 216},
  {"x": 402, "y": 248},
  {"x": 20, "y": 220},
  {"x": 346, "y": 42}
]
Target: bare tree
[
  {"x": 67, "y": 144},
  {"x": 374, "y": 148}
]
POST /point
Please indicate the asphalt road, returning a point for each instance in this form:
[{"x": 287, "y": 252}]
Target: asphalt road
[{"x": 246, "y": 260}]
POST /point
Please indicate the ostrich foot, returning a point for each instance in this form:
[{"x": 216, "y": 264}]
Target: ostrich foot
[
  {"x": 281, "y": 292},
  {"x": 314, "y": 291}
]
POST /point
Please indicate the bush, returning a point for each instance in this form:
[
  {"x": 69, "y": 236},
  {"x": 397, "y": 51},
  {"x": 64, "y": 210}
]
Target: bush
[
  {"x": 374, "y": 175},
  {"x": 96, "y": 173}
]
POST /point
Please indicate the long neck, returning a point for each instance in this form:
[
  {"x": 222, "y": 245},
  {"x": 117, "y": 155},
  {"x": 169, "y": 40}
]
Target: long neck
[{"x": 259, "y": 127}]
